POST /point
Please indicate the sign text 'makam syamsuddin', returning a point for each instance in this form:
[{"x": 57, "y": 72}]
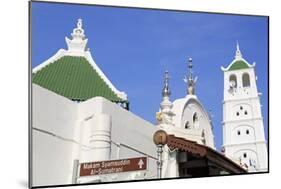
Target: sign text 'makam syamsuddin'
[{"x": 113, "y": 166}]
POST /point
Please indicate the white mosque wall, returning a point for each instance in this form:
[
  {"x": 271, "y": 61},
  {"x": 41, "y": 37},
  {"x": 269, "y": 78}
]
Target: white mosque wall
[
  {"x": 131, "y": 136},
  {"x": 53, "y": 122},
  {"x": 53, "y": 113},
  {"x": 52, "y": 160},
  {"x": 185, "y": 109},
  {"x": 94, "y": 130}
]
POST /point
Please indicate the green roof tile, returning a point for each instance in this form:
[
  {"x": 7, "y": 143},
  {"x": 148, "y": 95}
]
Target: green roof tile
[
  {"x": 237, "y": 65},
  {"x": 74, "y": 78}
]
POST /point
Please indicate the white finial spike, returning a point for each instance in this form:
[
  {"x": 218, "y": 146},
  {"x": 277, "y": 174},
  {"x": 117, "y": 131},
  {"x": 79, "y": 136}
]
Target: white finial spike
[
  {"x": 238, "y": 54},
  {"x": 79, "y": 23}
]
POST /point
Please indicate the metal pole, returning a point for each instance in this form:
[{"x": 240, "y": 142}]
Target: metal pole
[{"x": 159, "y": 161}]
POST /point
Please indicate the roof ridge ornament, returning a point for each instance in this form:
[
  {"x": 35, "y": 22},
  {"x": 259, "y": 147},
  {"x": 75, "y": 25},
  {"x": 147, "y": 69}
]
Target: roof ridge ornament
[
  {"x": 190, "y": 81},
  {"x": 77, "y": 45},
  {"x": 78, "y": 32},
  {"x": 79, "y": 23},
  {"x": 238, "y": 54},
  {"x": 166, "y": 91}
]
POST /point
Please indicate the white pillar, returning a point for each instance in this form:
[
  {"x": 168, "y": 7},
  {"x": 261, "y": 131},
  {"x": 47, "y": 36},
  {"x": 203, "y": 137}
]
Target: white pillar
[
  {"x": 170, "y": 164},
  {"x": 97, "y": 136},
  {"x": 100, "y": 139}
]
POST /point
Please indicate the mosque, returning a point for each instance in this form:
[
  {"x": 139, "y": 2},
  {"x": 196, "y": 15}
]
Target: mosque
[{"x": 84, "y": 132}]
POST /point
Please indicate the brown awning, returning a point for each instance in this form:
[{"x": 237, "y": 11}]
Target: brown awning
[{"x": 204, "y": 152}]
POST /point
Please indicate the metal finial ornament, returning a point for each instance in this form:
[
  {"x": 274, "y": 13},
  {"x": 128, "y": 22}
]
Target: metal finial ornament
[
  {"x": 190, "y": 81},
  {"x": 166, "y": 91},
  {"x": 190, "y": 66}
]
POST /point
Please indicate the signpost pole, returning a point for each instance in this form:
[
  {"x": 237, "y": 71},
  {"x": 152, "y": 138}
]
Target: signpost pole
[
  {"x": 160, "y": 138},
  {"x": 75, "y": 171},
  {"x": 159, "y": 160}
]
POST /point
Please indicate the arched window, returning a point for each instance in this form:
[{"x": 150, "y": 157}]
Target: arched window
[
  {"x": 246, "y": 80},
  {"x": 194, "y": 117},
  {"x": 195, "y": 120},
  {"x": 187, "y": 125},
  {"x": 233, "y": 81}
]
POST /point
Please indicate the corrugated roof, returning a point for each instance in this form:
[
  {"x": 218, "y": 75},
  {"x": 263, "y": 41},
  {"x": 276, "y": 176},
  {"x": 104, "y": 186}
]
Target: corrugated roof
[{"x": 74, "y": 78}]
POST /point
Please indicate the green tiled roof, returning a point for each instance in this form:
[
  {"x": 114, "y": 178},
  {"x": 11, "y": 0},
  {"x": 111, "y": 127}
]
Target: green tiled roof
[
  {"x": 237, "y": 65},
  {"x": 74, "y": 78}
]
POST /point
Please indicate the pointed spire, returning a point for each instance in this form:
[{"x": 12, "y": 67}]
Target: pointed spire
[
  {"x": 238, "y": 54},
  {"x": 190, "y": 81},
  {"x": 166, "y": 91},
  {"x": 190, "y": 66}
]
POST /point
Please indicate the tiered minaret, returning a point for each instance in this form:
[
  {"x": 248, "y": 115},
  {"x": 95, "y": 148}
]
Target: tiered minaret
[
  {"x": 243, "y": 129},
  {"x": 165, "y": 115},
  {"x": 165, "y": 122}
]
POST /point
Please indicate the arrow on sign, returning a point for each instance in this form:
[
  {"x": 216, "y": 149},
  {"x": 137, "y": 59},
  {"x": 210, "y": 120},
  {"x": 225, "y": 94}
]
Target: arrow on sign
[{"x": 140, "y": 164}]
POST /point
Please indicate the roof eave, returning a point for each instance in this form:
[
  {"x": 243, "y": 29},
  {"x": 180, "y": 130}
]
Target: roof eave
[
  {"x": 235, "y": 60},
  {"x": 120, "y": 94}
]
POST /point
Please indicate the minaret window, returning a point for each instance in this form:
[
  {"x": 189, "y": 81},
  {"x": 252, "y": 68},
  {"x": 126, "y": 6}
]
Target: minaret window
[
  {"x": 238, "y": 132},
  {"x": 237, "y": 113},
  {"x": 246, "y": 80},
  {"x": 246, "y": 113},
  {"x": 241, "y": 107},
  {"x": 247, "y": 132},
  {"x": 244, "y": 155},
  {"x": 233, "y": 81}
]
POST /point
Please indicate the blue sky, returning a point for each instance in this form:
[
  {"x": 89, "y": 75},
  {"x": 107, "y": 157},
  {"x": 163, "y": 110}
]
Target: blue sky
[{"x": 134, "y": 47}]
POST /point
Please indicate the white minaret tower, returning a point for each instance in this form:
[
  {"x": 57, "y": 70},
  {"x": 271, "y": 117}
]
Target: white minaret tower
[{"x": 243, "y": 129}]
